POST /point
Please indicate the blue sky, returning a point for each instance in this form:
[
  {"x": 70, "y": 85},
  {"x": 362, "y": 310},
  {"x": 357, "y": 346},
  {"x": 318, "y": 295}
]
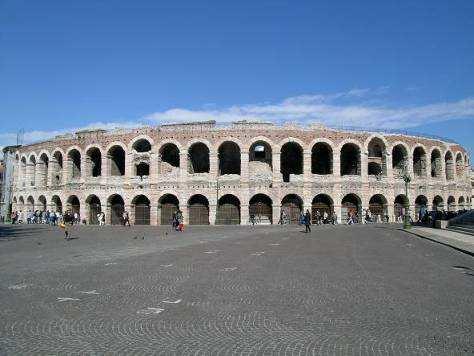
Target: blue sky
[{"x": 382, "y": 64}]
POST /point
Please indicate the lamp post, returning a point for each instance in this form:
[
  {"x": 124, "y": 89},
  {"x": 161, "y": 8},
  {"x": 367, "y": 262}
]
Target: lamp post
[{"x": 406, "y": 217}]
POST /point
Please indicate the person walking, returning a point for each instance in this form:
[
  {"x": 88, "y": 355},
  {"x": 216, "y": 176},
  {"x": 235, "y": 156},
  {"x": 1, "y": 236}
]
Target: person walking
[
  {"x": 125, "y": 218},
  {"x": 307, "y": 221}
]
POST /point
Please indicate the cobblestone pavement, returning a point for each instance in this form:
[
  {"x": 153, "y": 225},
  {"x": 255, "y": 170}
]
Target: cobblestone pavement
[{"x": 233, "y": 290}]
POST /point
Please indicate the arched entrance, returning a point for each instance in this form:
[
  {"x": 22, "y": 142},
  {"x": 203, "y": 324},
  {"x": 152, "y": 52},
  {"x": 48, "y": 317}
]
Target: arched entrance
[
  {"x": 42, "y": 203},
  {"x": 141, "y": 206},
  {"x": 378, "y": 207},
  {"x": 168, "y": 205},
  {"x": 117, "y": 207},
  {"x": 421, "y": 206},
  {"x": 73, "y": 204},
  {"x": 228, "y": 210},
  {"x": 351, "y": 205},
  {"x": 451, "y": 203},
  {"x": 292, "y": 205},
  {"x": 260, "y": 207},
  {"x": 198, "y": 210},
  {"x": 30, "y": 204},
  {"x": 322, "y": 203},
  {"x": 94, "y": 207},
  {"x": 56, "y": 204},
  {"x": 399, "y": 207},
  {"x": 461, "y": 205},
  {"x": 438, "y": 203}
]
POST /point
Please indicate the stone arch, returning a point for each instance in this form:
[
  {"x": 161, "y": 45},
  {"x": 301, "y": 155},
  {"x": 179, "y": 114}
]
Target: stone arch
[
  {"x": 43, "y": 169},
  {"x": 322, "y": 204},
  {"x": 377, "y": 156},
  {"x": 56, "y": 204},
  {"x": 198, "y": 210},
  {"x": 168, "y": 205},
  {"x": 115, "y": 209},
  {"x": 399, "y": 159},
  {"x": 169, "y": 158},
  {"x": 73, "y": 204},
  {"x": 141, "y": 143},
  {"x": 30, "y": 203},
  {"x": 419, "y": 161},
  {"x": 141, "y": 210},
  {"x": 261, "y": 209},
  {"x": 351, "y": 205},
  {"x": 350, "y": 158},
  {"x": 451, "y": 203},
  {"x": 449, "y": 165},
  {"x": 229, "y": 158},
  {"x": 400, "y": 203},
  {"x": 260, "y": 151},
  {"x": 21, "y": 203},
  {"x": 116, "y": 160},
  {"x": 461, "y": 203},
  {"x": 292, "y": 206},
  {"x": 436, "y": 163},
  {"x": 57, "y": 167},
  {"x": 459, "y": 164},
  {"x": 74, "y": 162},
  {"x": 438, "y": 203},
  {"x": 378, "y": 207},
  {"x": 228, "y": 210},
  {"x": 291, "y": 160},
  {"x": 31, "y": 169},
  {"x": 42, "y": 203},
  {"x": 421, "y": 206},
  {"x": 198, "y": 158},
  {"x": 93, "y": 161},
  {"x": 322, "y": 158},
  {"x": 23, "y": 167},
  {"x": 93, "y": 208}
]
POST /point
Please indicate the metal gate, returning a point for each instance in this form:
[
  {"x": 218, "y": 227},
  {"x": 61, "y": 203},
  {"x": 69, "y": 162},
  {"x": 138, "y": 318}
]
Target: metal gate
[
  {"x": 228, "y": 214},
  {"x": 116, "y": 213},
  {"x": 292, "y": 211},
  {"x": 142, "y": 214},
  {"x": 94, "y": 209},
  {"x": 349, "y": 208},
  {"x": 261, "y": 211},
  {"x": 322, "y": 208},
  {"x": 198, "y": 214},
  {"x": 398, "y": 211},
  {"x": 167, "y": 211}
]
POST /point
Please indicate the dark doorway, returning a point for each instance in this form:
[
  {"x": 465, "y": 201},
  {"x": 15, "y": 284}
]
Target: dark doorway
[
  {"x": 228, "y": 210},
  {"x": 321, "y": 158},
  {"x": 291, "y": 160},
  {"x": 292, "y": 205},
  {"x": 169, "y": 205},
  {"x": 117, "y": 207},
  {"x": 142, "y": 210},
  {"x": 198, "y": 210},
  {"x": 260, "y": 207}
]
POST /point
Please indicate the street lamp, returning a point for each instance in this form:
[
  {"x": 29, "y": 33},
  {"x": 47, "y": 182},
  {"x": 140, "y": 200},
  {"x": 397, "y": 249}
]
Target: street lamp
[{"x": 406, "y": 217}]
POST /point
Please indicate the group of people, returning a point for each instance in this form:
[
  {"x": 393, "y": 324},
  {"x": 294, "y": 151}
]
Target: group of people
[
  {"x": 177, "y": 221},
  {"x": 45, "y": 217}
]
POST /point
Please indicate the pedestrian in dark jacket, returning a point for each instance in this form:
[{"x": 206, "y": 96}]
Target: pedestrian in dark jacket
[{"x": 307, "y": 221}]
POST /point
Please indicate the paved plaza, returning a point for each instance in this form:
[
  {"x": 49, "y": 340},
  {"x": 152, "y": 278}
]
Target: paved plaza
[{"x": 233, "y": 290}]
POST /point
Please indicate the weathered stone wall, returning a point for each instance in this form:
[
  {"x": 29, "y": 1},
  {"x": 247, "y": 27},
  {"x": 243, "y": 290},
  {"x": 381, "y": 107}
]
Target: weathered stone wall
[{"x": 40, "y": 178}]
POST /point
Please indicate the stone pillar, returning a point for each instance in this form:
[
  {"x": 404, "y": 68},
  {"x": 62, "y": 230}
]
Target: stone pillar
[
  {"x": 306, "y": 166},
  {"x": 213, "y": 166},
  {"x": 336, "y": 164},
  {"x": 128, "y": 166},
  {"x": 391, "y": 211},
  {"x": 183, "y": 166},
  {"x": 38, "y": 178},
  {"x": 388, "y": 165},
  {"x": 83, "y": 211},
  {"x": 277, "y": 177},
  {"x": 276, "y": 209},
  {"x": 363, "y": 165},
  {"x": 153, "y": 214},
  {"x": 104, "y": 169},
  {"x": 212, "y": 214},
  {"x": 184, "y": 209},
  {"x": 244, "y": 166},
  {"x": 244, "y": 214},
  {"x": 338, "y": 211},
  {"x": 131, "y": 213},
  {"x": 30, "y": 174},
  {"x": 108, "y": 214}
]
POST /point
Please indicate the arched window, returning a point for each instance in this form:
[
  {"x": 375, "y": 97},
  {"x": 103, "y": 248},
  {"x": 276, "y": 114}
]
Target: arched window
[
  {"x": 198, "y": 158},
  {"x": 419, "y": 162},
  {"x": 436, "y": 164},
  {"x": 74, "y": 158},
  {"x": 116, "y": 156},
  {"x": 94, "y": 162},
  {"x": 229, "y": 158},
  {"x": 142, "y": 145},
  {"x": 321, "y": 158},
  {"x": 350, "y": 159},
  {"x": 291, "y": 160},
  {"x": 399, "y": 160},
  {"x": 377, "y": 160}
]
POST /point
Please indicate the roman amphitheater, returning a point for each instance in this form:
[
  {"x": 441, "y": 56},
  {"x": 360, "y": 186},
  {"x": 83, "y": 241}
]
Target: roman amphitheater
[{"x": 223, "y": 174}]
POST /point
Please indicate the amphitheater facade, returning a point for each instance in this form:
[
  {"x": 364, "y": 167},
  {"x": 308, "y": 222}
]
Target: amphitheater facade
[{"x": 225, "y": 174}]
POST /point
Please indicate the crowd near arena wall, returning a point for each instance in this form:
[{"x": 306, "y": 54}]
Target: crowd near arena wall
[{"x": 222, "y": 175}]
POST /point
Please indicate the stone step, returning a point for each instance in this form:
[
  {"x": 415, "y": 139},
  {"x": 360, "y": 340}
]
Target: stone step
[{"x": 465, "y": 229}]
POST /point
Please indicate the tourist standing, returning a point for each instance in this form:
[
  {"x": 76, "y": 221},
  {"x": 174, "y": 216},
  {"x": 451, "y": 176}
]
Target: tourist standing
[
  {"x": 125, "y": 218},
  {"x": 307, "y": 221}
]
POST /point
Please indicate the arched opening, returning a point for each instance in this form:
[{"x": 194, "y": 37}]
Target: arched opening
[
  {"x": 292, "y": 206},
  {"x": 57, "y": 168},
  {"x": 438, "y": 203},
  {"x": 451, "y": 203},
  {"x": 378, "y": 207},
  {"x": 23, "y": 173},
  {"x": 56, "y": 204},
  {"x": 142, "y": 210},
  {"x": 261, "y": 151},
  {"x": 42, "y": 206},
  {"x": 436, "y": 164},
  {"x": 449, "y": 165},
  {"x": 142, "y": 145},
  {"x": 43, "y": 169},
  {"x": 32, "y": 170},
  {"x": 399, "y": 160},
  {"x": 291, "y": 160},
  {"x": 198, "y": 210},
  {"x": 74, "y": 157},
  {"x": 321, "y": 206},
  {"x": 419, "y": 162},
  {"x": 116, "y": 156},
  {"x": 94, "y": 207},
  {"x": 30, "y": 204},
  {"x": 73, "y": 205},
  {"x": 229, "y": 158},
  {"x": 117, "y": 208},
  {"x": 421, "y": 206},
  {"x": 459, "y": 165},
  {"x": 94, "y": 162},
  {"x": 321, "y": 158},
  {"x": 351, "y": 205},
  {"x": 142, "y": 169},
  {"x": 198, "y": 158},
  {"x": 169, "y": 205},
  {"x": 399, "y": 204},
  {"x": 228, "y": 210},
  {"x": 350, "y": 159},
  {"x": 169, "y": 156},
  {"x": 377, "y": 159},
  {"x": 21, "y": 204},
  {"x": 461, "y": 205},
  {"x": 260, "y": 209}
]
